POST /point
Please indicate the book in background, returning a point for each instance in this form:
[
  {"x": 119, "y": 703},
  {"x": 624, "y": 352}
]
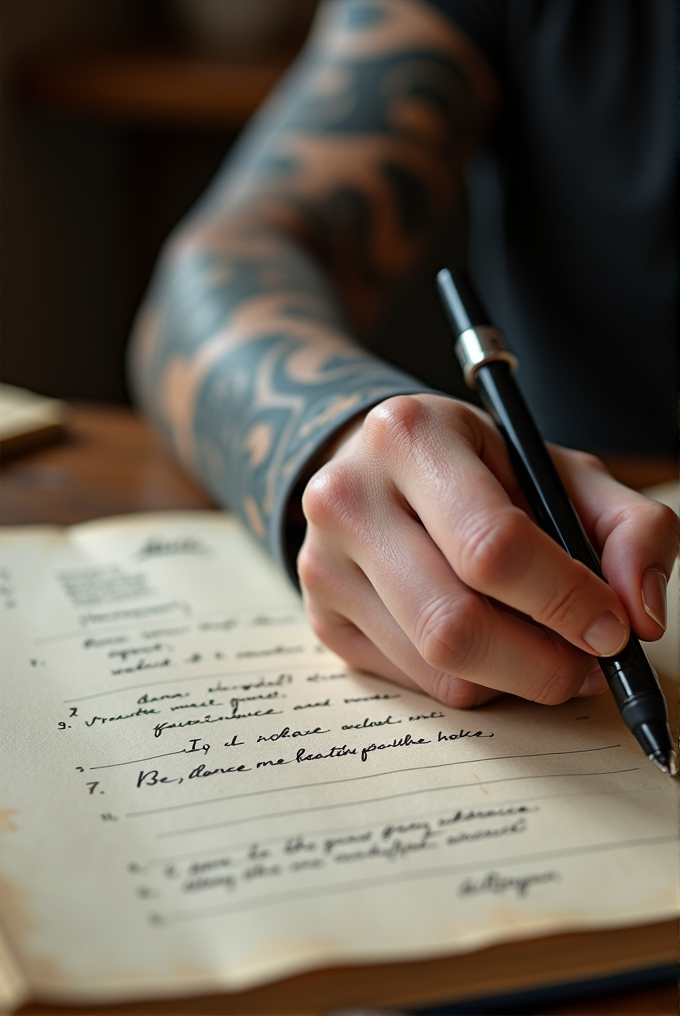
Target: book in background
[{"x": 28, "y": 420}]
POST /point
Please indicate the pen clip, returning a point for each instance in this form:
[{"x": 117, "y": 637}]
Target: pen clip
[
  {"x": 480, "y": 345},
  {"x": 479, "y": 342}
]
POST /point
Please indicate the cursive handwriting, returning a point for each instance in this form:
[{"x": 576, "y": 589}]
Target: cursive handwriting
[
  {"x": 134, "y": 613},
  {"x": 142, "y": 665},
  {"x": 201, "y": 770},
  {"x": 195, "y": 705},
  {"x": 152, "y": 778},
  {"x": 160, "y": 727},
  {"x": 335, "y": 752},
  {"x": 312, "y": 705},
  {"x": 388, "y": 722},
  {"x": 157, "y": 547},
  {"x": 401, "y": 742},
  {"x": 146, "y": 699},
  {"x": 519, "y": 826},
  {"x": 235, "y": 702},
  {"x": 123, "y": 716},
  {"x": 325, "y": 677},
  {"x": 234, "y": 741},
  {"x": 494, "y": 882},
  {"x": 262, "y": 682},
  {"x": 225, "y": 625},
  {"x": 247, "y": 654},
  {"x": 111, "y": 640},
  {"x": 287, "y": 732},
  {"x": 372, "y": 698},
  {"x": 471, "y": 814},
  {"x": 122, "y": 654},
  {"x": 443, "y": 736}
]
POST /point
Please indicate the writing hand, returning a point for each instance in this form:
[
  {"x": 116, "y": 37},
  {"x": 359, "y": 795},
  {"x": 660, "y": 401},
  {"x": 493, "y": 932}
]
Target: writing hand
[{"x": 422, "y": 564}]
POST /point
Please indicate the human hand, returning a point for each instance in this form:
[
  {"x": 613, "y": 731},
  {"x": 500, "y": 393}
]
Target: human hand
[{"x": 421, "y": 562}]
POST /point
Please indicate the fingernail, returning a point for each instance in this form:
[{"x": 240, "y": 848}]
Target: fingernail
[
  {"x": 654, "y": 595},
  {"x": 606, "y": 636}
]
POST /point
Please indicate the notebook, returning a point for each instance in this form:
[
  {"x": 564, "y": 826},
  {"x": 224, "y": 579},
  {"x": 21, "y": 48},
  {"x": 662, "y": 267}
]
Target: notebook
[{"x": 198, "y": 798}]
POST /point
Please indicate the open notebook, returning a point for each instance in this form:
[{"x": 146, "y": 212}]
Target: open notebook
[{"x": 197, "y": 797}]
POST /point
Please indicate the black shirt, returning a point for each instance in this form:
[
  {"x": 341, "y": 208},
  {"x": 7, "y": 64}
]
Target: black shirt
[{"x": 572, "y": 237}]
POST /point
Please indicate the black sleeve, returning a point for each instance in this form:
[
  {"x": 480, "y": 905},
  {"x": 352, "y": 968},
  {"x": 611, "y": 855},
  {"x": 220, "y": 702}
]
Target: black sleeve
[{"x": 484, "y": 21}]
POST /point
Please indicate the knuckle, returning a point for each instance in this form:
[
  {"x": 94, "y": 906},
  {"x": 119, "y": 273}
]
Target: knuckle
[
  {"x": 394, "y": 423},
  {"x": 649, "y": 525},
  {"x": 454, "y": 692},
  {"x": 588, "y": 461},
  {"x": 647, "y": 522},
  {"x": 465, "y": 417},
  {"x": 327, "y": 495},
  {"x": 448, "y": 637},
  {"x": 659, "y": 518},
  {"x": 566, "y": 606},
  {"x": 311, "y": 571},
  {"x": 561, "y": 672},
  {"x": 495, "y": 550},
  {"x": 321, "y": 579},
  {"x": 557, "y": 688}
]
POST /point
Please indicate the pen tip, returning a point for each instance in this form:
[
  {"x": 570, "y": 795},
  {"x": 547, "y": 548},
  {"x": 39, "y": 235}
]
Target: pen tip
[{"x": 668, "y": 765}]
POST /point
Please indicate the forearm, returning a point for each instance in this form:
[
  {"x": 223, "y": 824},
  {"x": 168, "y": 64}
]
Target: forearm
[
  {"x": 243, "y": 360},
  {"x": 244, "y": 353}
]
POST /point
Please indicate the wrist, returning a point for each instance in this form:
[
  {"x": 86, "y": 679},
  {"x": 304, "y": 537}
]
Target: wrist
[{"x": 295, "y": 523}]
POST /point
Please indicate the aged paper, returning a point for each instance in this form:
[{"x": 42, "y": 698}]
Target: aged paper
[{"x": 198, "y": 796}]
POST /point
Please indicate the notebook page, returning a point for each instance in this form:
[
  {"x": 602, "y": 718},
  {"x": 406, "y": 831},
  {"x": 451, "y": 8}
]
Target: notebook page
[{"x": 203, "y": 797}]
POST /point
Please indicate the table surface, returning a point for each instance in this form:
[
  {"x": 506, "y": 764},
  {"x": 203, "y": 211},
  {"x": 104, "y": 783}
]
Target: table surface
[
  {"x": 153, "y": 86},
  {"x": 110, "y": 463}
]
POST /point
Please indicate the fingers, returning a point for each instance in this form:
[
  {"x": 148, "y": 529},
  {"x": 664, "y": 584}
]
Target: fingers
[
  {"x": 490, "y": 544},
  {"x": 422, "y": 564},
  {"x": 396, "y": 608},
  {"x": 338, "y": 601},
  {"x": 637, "y": 538}
]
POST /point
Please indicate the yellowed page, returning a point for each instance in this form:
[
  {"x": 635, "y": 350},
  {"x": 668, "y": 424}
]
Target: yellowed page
[{"x": 204, "y": 798}]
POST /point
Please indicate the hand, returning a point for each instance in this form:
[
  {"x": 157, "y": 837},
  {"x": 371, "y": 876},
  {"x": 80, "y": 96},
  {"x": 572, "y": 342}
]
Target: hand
[{"x": 421, "y": 562}]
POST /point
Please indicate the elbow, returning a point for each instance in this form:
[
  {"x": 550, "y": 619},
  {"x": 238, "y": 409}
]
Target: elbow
[{"x": 152, "y": 335}]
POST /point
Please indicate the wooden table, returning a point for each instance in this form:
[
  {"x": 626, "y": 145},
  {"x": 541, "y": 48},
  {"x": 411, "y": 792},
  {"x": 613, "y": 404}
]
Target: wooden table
[
  {"x": 159, "y": 86},
  {"x": 108, "y": 463}
]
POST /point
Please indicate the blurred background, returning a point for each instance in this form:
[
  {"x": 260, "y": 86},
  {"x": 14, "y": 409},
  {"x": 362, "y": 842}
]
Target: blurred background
[{"x": 114, "y": 115}]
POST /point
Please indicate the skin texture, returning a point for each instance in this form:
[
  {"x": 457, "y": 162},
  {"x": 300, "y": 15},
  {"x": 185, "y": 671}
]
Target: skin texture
[{"x": 420, "y": 562}]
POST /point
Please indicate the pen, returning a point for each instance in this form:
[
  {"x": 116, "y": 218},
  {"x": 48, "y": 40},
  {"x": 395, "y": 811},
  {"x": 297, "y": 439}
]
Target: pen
[{"x": 488, "y": 366}]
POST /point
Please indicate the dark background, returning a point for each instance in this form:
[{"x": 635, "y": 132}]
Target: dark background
[
  {"x": 87, "y": 198},
  {"x": 88, "y": 195}
]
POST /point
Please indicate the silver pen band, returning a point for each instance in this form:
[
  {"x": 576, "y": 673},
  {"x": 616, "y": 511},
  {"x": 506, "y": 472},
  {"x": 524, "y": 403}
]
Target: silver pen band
[{"x": 480, "y": 345}]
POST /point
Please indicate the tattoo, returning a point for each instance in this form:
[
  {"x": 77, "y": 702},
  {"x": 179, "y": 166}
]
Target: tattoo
[{"x": 242, "y": 353}]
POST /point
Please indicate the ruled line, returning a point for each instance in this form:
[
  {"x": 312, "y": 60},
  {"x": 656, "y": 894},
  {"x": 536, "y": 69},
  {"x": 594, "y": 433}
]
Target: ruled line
[
  {"x": 367, "y": 776},
  {"x": 362, "y": 885}
]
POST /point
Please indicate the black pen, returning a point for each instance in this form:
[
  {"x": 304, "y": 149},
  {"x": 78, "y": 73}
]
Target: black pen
[{"x": 488, "y": 366}]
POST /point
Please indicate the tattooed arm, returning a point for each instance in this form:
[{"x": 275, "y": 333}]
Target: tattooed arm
[
  {"x": 245, "y": 351},
  {"x": 246, "y": 354}
]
